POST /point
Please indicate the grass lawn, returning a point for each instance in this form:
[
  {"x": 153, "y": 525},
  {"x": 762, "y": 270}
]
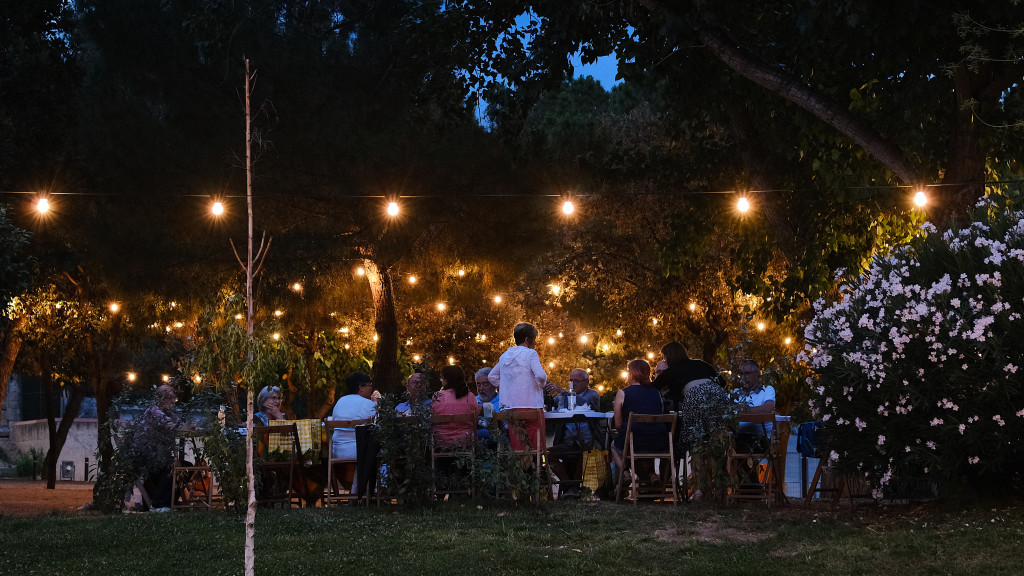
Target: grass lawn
[{"x": 564, "y": 538}]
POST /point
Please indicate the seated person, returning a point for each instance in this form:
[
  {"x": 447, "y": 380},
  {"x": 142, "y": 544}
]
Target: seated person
[
  {"x": 642, "y": 398},
  {"x": 356, "y": 405},
  {"x": 573, "y": 438},
  {"x": 268, "y": 406},
  {"x": 754, "y": 398},
  {"x": 416, "y": 387},
  {"x": 486, "y": 393},
  {"x": 677, "y": 371},
  {"x": 454, "y": 398},
  {"x": 153, "y": 445}
]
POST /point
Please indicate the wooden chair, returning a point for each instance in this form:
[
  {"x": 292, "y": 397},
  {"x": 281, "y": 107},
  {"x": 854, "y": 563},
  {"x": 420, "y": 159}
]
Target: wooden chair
[
  {"x": 334, "y": 491},
  {"x": 273, "y": 472},
  {"x": 744, "y": 466},
  {"x": 451, "y": 454},
  {"x": 191, "y": 484},
  {"x": 629, "y": 454},
  {"x": 534, "y": 449}
]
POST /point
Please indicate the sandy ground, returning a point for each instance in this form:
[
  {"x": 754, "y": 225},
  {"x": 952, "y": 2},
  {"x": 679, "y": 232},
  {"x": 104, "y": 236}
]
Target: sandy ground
[{"x": 27, "y": 497}]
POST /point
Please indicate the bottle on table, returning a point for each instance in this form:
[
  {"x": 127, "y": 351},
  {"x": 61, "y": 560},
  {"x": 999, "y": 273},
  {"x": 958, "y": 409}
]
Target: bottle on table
[{"x": 571, "y": 399}]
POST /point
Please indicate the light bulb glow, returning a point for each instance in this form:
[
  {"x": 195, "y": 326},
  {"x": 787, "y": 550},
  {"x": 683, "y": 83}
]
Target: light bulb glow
[
  {"x": 297, "y": 287},
  {"x": 568, "y": 207},
  {"x": 760, "y": 326},
  {"x": 441, "y": 306},
  {"x": 416, "y": 358},
  {"x": 238, "y": 316},
  {"x": 114, "y": 307},
  {"x": 276, "y": 336},
  {"x": 462, "y": 272},
  {"x": 451, "y": 360},
  {"x": 551, "y": 340},
  {"x": 42, "y": 205},
  {"x": 743, "y": 204},
  {"x": 604, "y": 347},
  {"x": 497, "y": 299},
  {"x": 650, "y": 355},
  {"x": 392, "y": 208},
  {"x": 551, "y": 364},
  {"x": 693, "y": 306},
  {"x": 787, "y": 341},
  {"x": 278, "y": 313},
  {"x": 624, "y": 374},
  {"x": 132, "y": 376},
  {"x": 920, "y": 199},
  {"x": 412, "y": 279},
  {"x": 360, "y": 271},
  {"x": 584, "y": 339},
  {"x": 165, "y": 378},
  {"x": 217, "y": 208},
  {"x": 618, "y": 332},
  {"x": 179, "y": 325}
]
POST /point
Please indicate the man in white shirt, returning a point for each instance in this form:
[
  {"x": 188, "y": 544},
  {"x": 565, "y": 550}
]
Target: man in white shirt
[
  {"x": 522, "y": 380},
  {"x": 356, "y": 405},
  {"x": 754, "y": 398}
]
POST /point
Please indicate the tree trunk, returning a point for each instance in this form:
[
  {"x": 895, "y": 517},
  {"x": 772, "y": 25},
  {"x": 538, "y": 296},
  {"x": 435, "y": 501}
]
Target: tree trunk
[
  {"x": 59, "y": 436},
  {"x": 102, "y": 364},
  {"x": 386, "y": 375},
  {"x": 965, "y": 173},
  {"x": 11, "y": 345}
]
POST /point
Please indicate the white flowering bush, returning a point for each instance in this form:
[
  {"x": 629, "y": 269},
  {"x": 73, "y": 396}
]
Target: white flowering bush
[{"x": 919, "y": 368}]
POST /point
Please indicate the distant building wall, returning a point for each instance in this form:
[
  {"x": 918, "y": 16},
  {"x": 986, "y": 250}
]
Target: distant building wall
[{"x": 81, "y": 442}]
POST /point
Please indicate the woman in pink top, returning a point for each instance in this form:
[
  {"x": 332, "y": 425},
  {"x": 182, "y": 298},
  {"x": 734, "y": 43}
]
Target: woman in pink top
[{"x": 454, "y": 398}]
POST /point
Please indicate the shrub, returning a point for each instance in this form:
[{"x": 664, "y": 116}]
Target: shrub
[{"x": 919, "y": 372}]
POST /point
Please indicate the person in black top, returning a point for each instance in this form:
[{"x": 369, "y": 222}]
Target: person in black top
[{"x": 681, "y": 371}]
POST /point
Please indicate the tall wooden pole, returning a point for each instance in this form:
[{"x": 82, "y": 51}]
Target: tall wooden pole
[{"x": 250, "y": 514}]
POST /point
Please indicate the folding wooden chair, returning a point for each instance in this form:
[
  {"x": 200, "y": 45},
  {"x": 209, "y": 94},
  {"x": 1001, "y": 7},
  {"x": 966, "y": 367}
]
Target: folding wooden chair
[
  {"x": 535, "y": 448},
  {"x": 335, "y": 491},
  {"x": 273, "y": 472},
  {"x": 191, "y": 484},
  {"x": 752, "y": 481},
  {"x": 629, "y": 454},
  {"x": 451, "y": 454}
]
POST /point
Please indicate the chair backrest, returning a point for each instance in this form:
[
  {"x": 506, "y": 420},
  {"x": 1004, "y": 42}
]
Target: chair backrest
[
  {"x": 450, "y": 418},
  {"x": 291, "y": 430},
  {"x": 764, "y": 419},
  {"x": 330, "y": 425},
  {"x": 669, "y": 419},
  {"x": 524, "y": 416}
]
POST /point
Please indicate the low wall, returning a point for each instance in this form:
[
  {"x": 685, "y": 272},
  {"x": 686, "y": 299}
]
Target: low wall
[{"x": 81, "y": 443}]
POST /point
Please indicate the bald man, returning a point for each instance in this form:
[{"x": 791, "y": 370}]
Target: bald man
[{"x": 572, "y": 439}]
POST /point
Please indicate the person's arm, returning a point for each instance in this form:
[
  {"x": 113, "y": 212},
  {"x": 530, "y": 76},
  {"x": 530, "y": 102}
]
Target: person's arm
[
  {"x": 617, "y": 406},
  {"x": 495, "y": 374},
  {"x": 538, "y": 372}
]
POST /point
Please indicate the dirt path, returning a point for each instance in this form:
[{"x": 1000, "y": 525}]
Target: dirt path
[{"x": 27, "y": 497}]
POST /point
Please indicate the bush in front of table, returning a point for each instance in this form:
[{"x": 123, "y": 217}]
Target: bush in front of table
[
  {"x": 222, "y": 448},
  {"x": 919, "y": 370},
  {"x": 406, "y": 475}
]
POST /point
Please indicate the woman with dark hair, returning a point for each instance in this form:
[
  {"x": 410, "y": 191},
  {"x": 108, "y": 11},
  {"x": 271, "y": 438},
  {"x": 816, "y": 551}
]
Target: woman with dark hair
[
  {"x": 454, "y": 398},
  {"x": 643, "y": 398},
  {"x": 681, "y": 371}
]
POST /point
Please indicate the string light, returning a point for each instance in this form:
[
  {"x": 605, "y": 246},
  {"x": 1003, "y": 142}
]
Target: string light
[
  {"x": 114, "y": 307},
  {"x": 787, "y": 341},
  {"x": 568, "y": 207},
  {"x": 743, "y": 204},
  {"x": 178, "y": 325},
  {"x": 650, "y": 355},
  {"x": 625, "y": 374},
  {"x": 604, "y": 347},
  {"x": 346, "y": 346},
  {"x": 42, "y": 205},
  {"x": 344, "y": 330},
  {"x": 376, "y": 337},
  {"x": 920, "y": 199},
  {"x": 165, "y": 378},
  {"x": 693, "y": 306},
  {"x": 600, "y": 387},
  {"x": 584, "y": 339},
  {"x": 451, "y": 360},
  {"x": 555, "y": 289},
  {"x": 297, "y": 287},
  {"x": 238, "y": 316},
  {"x": 217, "y": 208},
  {"x": 618, "y": 332},
  {"x": 551, "y": 340},
  {"x": 412, "y": 279},
  {"x": 462, "y": 272},
  {"x": 497, "y": 299},
  {"x": 416, "y": 358},
  {"x": 551, "y": 364},
  {"x": 276, "y": 336},
  {"x": 441, "y": 306},
  {"x": 760, "y": 326},
  {"x": 654, "y": 321},
  {"x": 197, "y": 379},
  {"x": 131, "y": 376},
  {"x": 173, "y": 304},
  {"x": 392, "y": 208},
  {"x": 560, "y": 335},
  {"x": 360, "y": 271},
  {"x": 278, "y": 313}
]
